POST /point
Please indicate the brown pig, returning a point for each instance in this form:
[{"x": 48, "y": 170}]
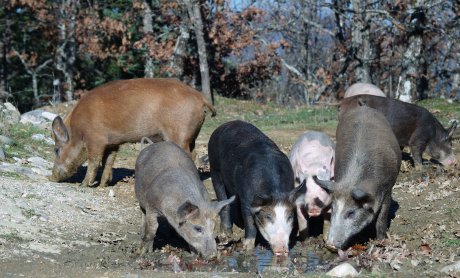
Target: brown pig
[{"x": 125, "y": 111}]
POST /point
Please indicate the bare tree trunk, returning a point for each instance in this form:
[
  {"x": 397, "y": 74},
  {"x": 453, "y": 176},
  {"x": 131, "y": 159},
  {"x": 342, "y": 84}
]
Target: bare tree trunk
[
  {"x": 411, "y": 64},
  {"x": 147, "y": 29},
  {"x": 193, "y": 8},
  {"x": 177, "y": 60},
  {"x": 360, "y": 41},
  {"x": 66, "y": 52}
]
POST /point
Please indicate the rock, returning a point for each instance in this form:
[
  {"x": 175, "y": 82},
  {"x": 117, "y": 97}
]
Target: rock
[
  {"x": 111, "y": 193},
  {"x": 9, "y": 114},
  {"x": 41, "y": 137},
  {"x": 5, "y": 140},
  {"x": 12, "y": 168},
  {"x": 343, "y": 270},
  {"x": 2, "y": 155},
  {"x": 38, "y": 117},
  {"x": 455, "y": 267},
  {"x": 39, "y": 162}
]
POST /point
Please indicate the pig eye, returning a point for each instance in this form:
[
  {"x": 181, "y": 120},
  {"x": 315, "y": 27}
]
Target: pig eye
[
  {"x": 290, "y": 217},
  {"x": 349, "y": 214},
  {"x": 56, "y": 151},
  {"x": 269, "y": 217},
  {"x": 198, "y": 229}
]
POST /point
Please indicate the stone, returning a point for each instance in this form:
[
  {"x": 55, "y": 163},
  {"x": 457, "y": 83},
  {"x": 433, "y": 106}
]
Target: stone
[
  {"x": 455, "y": 267},
  {"x": 9, "y": 114},
  {"x": 39, "y": 162},
  {"x": 2, "y": 155},
  {"x": 5, "y": 140},
  {"x": 343, "y": 270},
  {"x": 41, "y": 137},
  {"x": 38, "y": 117}
]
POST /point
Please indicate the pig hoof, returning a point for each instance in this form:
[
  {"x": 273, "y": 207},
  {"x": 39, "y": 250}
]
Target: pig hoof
[{"x": 248, "y": 244}]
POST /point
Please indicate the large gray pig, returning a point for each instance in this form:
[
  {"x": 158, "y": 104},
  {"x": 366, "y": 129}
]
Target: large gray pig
[
  {"x": 168, "y": 185},
  {"x": 363, "y": 89},
  {"x": 312, "y": 154},
  {"x": 125, "y": 111},
  {"x": 367, "y": 163}
]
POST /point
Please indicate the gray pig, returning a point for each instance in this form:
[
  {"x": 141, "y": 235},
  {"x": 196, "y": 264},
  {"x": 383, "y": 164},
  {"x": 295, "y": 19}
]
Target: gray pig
[
  {"x": 168, "y": 185},
  {"x": 367, "y": 163}
]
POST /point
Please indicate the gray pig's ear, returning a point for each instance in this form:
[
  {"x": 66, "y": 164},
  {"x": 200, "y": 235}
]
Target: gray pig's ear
[
  {"x": 326, "y": 185},
  {"x": 218, "y": 206},
  {"x": 59, "y": 130},
  {"x": 298, "y": 191},
  {"x": 360, "y": 196},
  {"x": 187, "y": 211},
  {"x": 451, "y": 129}
]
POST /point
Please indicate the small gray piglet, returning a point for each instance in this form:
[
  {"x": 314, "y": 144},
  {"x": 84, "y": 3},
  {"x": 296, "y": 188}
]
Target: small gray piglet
[{"x": 168, "y": 185}]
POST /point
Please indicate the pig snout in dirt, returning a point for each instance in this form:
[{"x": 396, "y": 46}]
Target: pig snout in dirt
[
  {"x": 367, "y": 164},
  {"x": 246, "y": 163},
  {"x": 275, "y": 218},
  {"x": 120, "y": 112},
  {"x": 413, "y": 126},
  {"x": 363, "y": 88},
  {"x": 168, "y": 184}
]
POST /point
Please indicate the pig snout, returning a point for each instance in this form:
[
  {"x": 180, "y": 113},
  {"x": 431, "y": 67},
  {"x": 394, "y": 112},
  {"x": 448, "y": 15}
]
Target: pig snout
[
  {"x": 449, "y": 161},
  {"x": 209, "y": 250},
  {"x": 316, "y": 207},
  {"x": 280, "y": 250}
]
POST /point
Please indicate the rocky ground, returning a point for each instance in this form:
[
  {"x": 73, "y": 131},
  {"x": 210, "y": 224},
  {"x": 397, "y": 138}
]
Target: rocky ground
[{"x": 61, "y": 229}]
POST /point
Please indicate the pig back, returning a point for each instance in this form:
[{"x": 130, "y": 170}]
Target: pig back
[
  {"x": 125, "y": 110},
  {"x": 366, "y": 149},
  {"x": 248, "y": 161},
  {"x": 166, "y": 174}
]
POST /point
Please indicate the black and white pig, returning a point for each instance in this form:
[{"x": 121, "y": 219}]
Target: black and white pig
[
  {"x": 246, "y": 163},
  {"x": 168, "y": 185},
  {"x": 367, "y": 162},
  {"x": 313, "y": 154}
]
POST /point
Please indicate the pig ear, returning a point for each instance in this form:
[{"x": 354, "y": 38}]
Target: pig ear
[
  {"x": 59, "y": 130},
  {"x": 260, "y": 201},
  {"x": 360, "y": 196},
  {"x": 451, "y": 129},
  {"x": 361, "y": 102},
  {"x": 218, "y": 206},
  {"x": 298, "y": 191},
  {"x": 326, "y": 185},
  {"x": 187, "y": 211}
]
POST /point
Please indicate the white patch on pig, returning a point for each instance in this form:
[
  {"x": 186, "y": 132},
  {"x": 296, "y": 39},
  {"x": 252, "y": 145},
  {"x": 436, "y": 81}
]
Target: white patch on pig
[
  {"x": 277, "y": 232},
  {"x": 338, "y": 211}
]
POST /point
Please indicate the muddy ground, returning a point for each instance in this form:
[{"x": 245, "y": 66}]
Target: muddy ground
[{"x": 61, "y": 229}]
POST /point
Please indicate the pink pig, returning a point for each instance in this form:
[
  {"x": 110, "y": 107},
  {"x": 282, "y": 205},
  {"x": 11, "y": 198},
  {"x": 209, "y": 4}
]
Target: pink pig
[{"x": 312, "y": 154}]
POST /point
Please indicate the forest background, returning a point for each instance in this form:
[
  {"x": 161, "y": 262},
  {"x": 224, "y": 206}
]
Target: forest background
[{"x": 289, "y": 52}]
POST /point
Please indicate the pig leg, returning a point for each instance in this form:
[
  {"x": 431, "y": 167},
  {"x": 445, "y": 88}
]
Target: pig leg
[
  {"x": 95, "y": 154},
  {"x": 225, "y": 221},
  {"x": 250, "y": 230},
  {"x": 382, "y": 218},
  {"x": 302, "y": 223},
  {"x": 148, "y": 231},
  {"x": 326, "y": 225},
  {"x": 107, "y": 162}
]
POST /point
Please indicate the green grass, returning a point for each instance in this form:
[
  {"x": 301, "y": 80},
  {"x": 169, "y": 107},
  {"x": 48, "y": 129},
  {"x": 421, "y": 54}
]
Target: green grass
[
  {"x": 268, "y": 117},
  {"x": 21, "y": 134},
  {"x": 442, "y": 109},
  {"x": 451, "y": 242},
  {"x": 12, "y": 237},
  {"x": 29, "y": 213}
]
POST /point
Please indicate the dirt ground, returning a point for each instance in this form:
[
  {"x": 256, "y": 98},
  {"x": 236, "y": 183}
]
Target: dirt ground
[{"x": 61, "y": 229}]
